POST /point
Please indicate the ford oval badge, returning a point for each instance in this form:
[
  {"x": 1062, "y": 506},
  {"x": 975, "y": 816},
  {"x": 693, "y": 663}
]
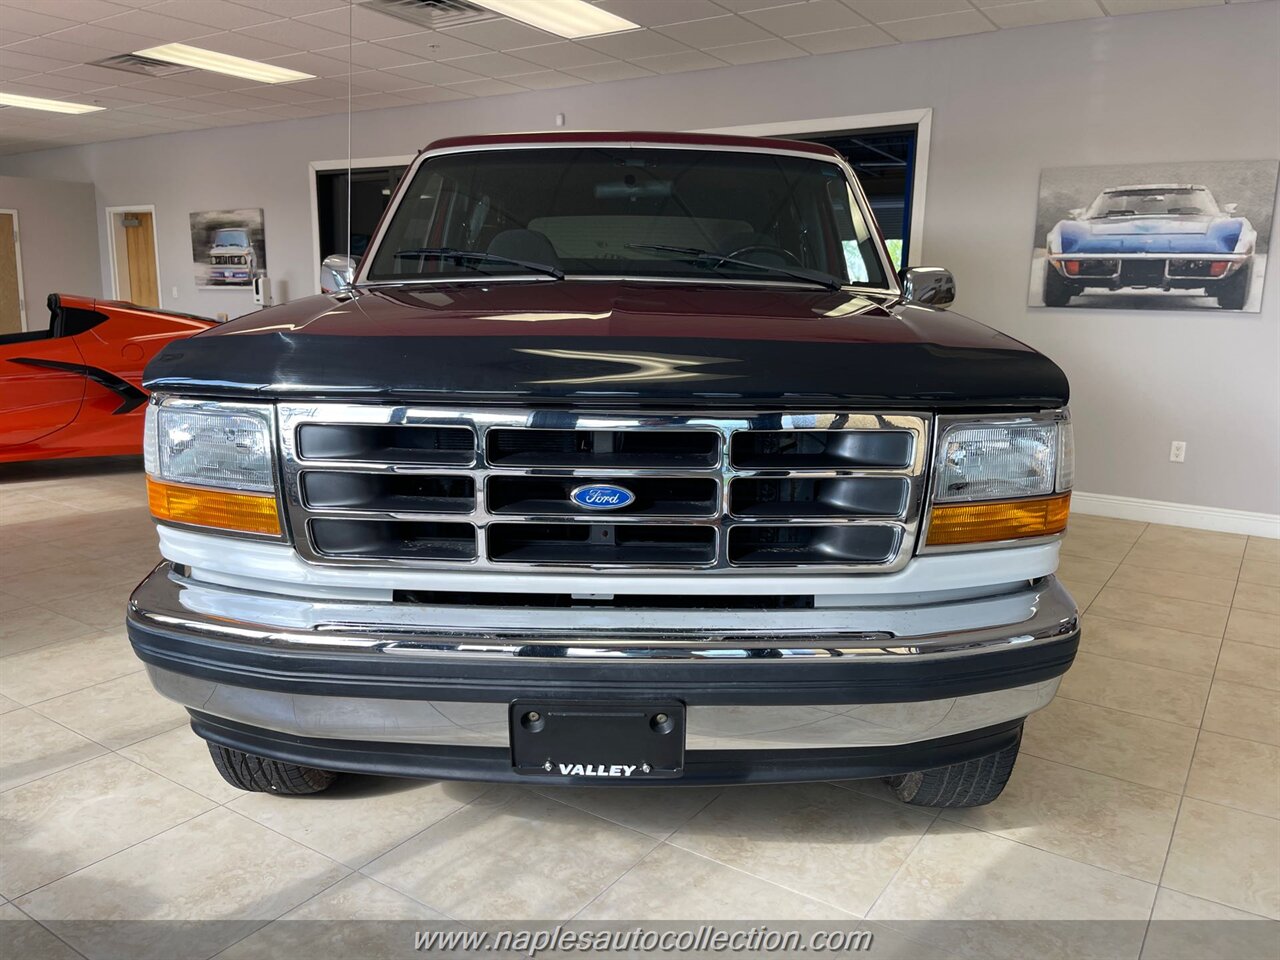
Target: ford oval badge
[{"x": 602, "y": 496}]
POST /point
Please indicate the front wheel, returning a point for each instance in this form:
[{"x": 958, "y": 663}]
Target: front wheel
[
  {"x": 968, "y": 784},
  {"x": 1057, "y": 291},
  {"x": 1234, "y": 291},
  {"x": 260, "y": 775}
]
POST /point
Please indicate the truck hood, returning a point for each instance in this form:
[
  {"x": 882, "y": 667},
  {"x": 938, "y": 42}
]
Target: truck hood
[{"x": 611, "y": 343}]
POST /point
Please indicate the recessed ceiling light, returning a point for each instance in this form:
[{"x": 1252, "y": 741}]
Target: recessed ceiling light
[
  {"x": 39, "y": 103},
  {"x": 223, "y": 63},
  {"x": 573, "y": 19}
]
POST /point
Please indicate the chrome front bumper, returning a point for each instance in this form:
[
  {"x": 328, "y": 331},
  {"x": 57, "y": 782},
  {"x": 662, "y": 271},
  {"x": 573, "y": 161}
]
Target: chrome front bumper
[{"x": 382, "y": 672}]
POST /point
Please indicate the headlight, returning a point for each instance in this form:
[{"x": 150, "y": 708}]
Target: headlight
[
  {"x": 212, "y": 464},
  {"x": 1001, "y": 480}
]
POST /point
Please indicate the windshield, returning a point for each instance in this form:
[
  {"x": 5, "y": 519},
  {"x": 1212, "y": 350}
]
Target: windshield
[
  {"x": 634, "y": 212},
  {"x": 230, "y": 238},
  {"x": 1153, "y": 202}
]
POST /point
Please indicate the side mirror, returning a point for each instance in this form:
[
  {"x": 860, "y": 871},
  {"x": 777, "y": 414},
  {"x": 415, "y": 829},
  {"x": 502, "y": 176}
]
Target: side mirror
[
  {"x": 1230, "y": 208},
  {"x": 1075, "y": 213},
  {"x": 337, "y": 273},
  {"x": 931, "y": 286}
]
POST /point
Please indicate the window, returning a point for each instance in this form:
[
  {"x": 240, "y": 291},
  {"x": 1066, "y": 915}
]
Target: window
[{"x": 371, "y": 189}]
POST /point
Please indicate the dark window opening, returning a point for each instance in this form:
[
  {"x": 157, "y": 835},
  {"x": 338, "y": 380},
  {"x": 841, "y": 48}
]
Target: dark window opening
[{"x": 371, "y": 190}]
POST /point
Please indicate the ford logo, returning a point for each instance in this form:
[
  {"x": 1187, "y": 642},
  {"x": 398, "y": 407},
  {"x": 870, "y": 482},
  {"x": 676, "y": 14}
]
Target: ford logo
[{"x": 602, "y": 496}]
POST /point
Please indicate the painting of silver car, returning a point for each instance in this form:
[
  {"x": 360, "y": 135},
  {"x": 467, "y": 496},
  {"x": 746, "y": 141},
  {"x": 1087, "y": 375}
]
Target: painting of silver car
[{"x": 1154, "y": 243}]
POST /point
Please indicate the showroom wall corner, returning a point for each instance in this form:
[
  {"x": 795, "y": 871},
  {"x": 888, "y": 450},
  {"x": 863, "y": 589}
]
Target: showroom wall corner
[
  {"x": 1005, "y": 105},
  {"x": 57, "y": 223}
]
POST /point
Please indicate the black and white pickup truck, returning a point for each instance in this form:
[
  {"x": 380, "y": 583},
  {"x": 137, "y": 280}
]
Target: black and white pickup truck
[{"x": 623, "y": 459}]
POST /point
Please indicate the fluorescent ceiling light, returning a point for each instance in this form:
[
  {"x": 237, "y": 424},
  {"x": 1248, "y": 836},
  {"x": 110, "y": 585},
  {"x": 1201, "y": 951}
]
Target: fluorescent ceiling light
[
  {"x": 573, "y": 19},
  {"x": 223, "y": 63},
  {"x": 39, "y": 103}
]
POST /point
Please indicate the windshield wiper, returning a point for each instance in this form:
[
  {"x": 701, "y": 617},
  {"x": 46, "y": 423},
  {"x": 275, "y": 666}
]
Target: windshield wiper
[
  {"x": 699, "y": 255},
  {"x": 462, "y": 256}
]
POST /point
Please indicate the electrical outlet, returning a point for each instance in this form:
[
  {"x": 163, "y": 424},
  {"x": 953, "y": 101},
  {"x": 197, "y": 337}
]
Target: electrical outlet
[{"x": 1178, "y": 451}]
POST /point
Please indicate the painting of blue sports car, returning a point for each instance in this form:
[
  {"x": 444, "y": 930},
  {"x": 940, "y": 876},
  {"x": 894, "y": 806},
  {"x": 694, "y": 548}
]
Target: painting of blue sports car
[{"x": 1152, "y": 236}]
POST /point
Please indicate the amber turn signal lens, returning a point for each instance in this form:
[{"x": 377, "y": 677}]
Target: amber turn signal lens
[
  {"x": 953, "y": 523},
  {"x": 244, "y": 512}
]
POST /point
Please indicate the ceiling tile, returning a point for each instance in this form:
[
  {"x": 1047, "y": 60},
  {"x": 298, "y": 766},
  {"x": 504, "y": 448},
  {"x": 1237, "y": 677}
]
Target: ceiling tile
[
  {"x": 56, "y": 50},
  {"x": 548, "y": 80},
  {"x": 70, "y": 85},
  {"x": 637, "y": 43},
  {"x": 679, "y": 62},
  {"x": 92, "y": 35},
  {"x": 758, "y": 51},
  {"x": 295, "y": 34},
  {"x": 379, "y": 101},
  {"x": 29, "y": 62},
  {"x": 486, "y": 88},
  {"x": 882, "y": 11},
  {"x": 656, "y": 13},
  {"x": 168, "y": 86},
  {"x": 935, "y": 28},
  {"x": 293, "y": 8},
  {"x": 433, "y": 73},
  {"x": 801, "y": 18},
  {"x": 244, "y": 45},
  {"x": 281, "y": 93},
  {"x": 608, "y": 71},
  {"x": 1118, "y": 8},
  {"x": 102, "y": 76},
  {"x": 496, "y": 65},
  {"x": 12, "y": 36},
  {"x": 1027, "y": 13},
  {"x": 32, "y": 22},
  {"x": 500, "y": 34},
  {"x": 434, "y": 45},
  {"x": 840, "y": 41},
  {"x": 744, "y": 6},
  {"x": 168, "y": 29},
  {"x": 382, "y": 82},
  {"x": 433, "y": 94},
  {"x": 560, "y": 55},
  {"x": 371, "y": 56},
  {"x": 77, "y": 11},
  {"x": 325, "y": 87},
  {"x": 364, "y": 23},
  {"x": 715, "y": 32},
  {"x": 136, "y": 94},
  {"x": 315, "y": 64},
  {"x": 222, "y": 16}
]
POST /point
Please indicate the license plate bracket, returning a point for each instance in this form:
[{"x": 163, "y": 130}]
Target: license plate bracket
[{"x": 597, "y": 741}]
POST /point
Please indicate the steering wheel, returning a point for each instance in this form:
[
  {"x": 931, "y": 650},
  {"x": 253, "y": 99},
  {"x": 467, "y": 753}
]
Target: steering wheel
[{"x": 786, "y": 255}]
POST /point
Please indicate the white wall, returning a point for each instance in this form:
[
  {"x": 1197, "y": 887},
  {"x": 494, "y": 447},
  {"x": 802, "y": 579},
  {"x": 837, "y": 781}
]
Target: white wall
[
  {"x": 1200, "y": 84},
  {"x": 58, "y": 233}
]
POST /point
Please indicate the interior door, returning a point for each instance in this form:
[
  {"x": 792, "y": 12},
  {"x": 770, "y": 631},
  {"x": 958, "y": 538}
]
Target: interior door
[
  {"x": 10, "y": 272},
  {"x": 140, "y": 247}
]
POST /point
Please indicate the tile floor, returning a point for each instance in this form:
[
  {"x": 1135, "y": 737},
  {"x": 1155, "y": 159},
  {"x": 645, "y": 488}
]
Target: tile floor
[{"x": 1150, "y": 788}]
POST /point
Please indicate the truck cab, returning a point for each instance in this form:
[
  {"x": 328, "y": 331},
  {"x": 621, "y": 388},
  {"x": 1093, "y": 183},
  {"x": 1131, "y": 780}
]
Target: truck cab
[{"x": 619, "y": 459}]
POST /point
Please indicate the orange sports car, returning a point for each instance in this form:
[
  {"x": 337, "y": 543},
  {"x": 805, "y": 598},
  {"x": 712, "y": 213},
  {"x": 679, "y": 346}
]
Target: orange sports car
[{"x": 75, "y": 390}]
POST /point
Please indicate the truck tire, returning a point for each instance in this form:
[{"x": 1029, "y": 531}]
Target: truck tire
[
  {"x": 1057, "y": 291},
  {"x": 1234, "y": 290},
  {"x": 968, "y": 784},
  {"x": 260, "y": 775}
]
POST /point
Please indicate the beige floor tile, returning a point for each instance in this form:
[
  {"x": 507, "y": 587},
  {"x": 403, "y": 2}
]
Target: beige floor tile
[
  {"x": 1189, "y": 928},
  {"x": 1190, "y": 616},
  {"x": 970, "y": 877},
  {"x": 24, "y": 939},
  {"x": 1185, "y": 559},
  {"x": 1257, "y": 597},
  {"x": 1082, "y": 591},
  {"x": 184, "y": 758},
  {"x": 1086, "y": 816},
  {"x": 35, "y": 747},
  {"x": 656, "y": 811},
  {"x": 1154, "y": 646},
  {"x": 1226, "y": 855},
  {"x": 1260, "y": 571},
  {"x": 73, "y": 578},
  {"x": 102, "y": 609},
  {"x": 1265, "y": 549},
  {"x": 467, "y": 865},
  {"x": 7, "y": 705},
  {"x": 21, "y": 507},
  {"x": 30, "y": 627},
  {"x": 816, "y": 839},
  {"x": 355, "y": 919},
  {"x": 1085, "y": 568},
  {"x": 1098, "y": 539},
  {"x": 388, "y": 811},
  {"x": 1247, "y": 626},
  {"x": 1177, "y": 586},
  {"x": 1249, "y": 663},
  {"x": 63, "y": 667},
  {"x": 1236, "y": 773},
  {"x": 709, "y": 892},
  {"x": 222, "y": 874},
  {"x": 1136, "y": 688},
  {"x": 1205, "y": 541},
  {"x": 9, "y": 601},
  {"x": 1155, "y": 753},
  {"x": 1239, "y": 710},
  {"x": 117, "y": 712},
  {"x": 56, "y": 825}
]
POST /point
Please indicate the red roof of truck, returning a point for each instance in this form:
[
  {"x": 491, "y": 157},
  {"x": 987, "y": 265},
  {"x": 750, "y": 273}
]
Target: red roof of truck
[{"x": 633, "y": 136}]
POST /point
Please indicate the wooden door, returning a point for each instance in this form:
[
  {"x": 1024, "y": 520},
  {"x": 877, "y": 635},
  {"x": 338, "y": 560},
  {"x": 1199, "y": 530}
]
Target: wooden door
[
  {"x": 140, "y": 247},
  {"x": 10, "y": 295}
]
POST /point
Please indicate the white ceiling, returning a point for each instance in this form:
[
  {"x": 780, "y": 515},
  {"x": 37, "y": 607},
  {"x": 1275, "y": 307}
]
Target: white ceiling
[{"x": 46, "y": 44}]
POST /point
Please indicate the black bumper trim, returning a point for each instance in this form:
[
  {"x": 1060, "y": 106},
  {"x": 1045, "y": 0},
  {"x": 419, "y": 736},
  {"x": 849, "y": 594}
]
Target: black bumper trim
[
  {"x": 702, "y": 767},
  {"x": 746, "y": 682}
]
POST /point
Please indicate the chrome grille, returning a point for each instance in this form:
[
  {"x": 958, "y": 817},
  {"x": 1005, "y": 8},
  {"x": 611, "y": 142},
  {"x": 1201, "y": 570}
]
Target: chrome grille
[{"x": 422, "y": 486}]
